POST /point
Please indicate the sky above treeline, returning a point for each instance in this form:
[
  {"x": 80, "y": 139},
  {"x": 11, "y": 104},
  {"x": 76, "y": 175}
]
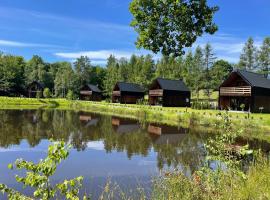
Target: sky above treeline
[{"x": 62, "y": 30}]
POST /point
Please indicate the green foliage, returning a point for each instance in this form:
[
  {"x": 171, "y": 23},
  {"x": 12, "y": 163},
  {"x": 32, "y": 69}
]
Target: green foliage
[
  {"x": 12, "y": 77},
  {"x": 47, "y": 93},
  {"x": 228, "y": 180},
  {"x": 170, "y": 26},
  {"x": 38, "y": 94},
  {"x": 248, "y": 57},
  {"x": 70, "y": 95},
  {"x": 264, "y": 56},
  {"x": 219, "y": 72},
  {"x": 38, "y": 176}
]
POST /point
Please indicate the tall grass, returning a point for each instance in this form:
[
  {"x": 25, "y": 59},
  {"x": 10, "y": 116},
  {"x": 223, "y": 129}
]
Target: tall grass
[{"x": 239, "y": 174}]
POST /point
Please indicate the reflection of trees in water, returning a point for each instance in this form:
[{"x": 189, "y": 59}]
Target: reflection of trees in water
[
  {"x": 187, "y": 152},
  {"x": 78, "y": 128}
]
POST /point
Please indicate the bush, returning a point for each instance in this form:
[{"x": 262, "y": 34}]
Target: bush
[
  {"x": 38, "y": 94},
  {"x": 70, "y": 95},
  {"x": 38, "y": 176},
  {"x": 47, "y": 93}
]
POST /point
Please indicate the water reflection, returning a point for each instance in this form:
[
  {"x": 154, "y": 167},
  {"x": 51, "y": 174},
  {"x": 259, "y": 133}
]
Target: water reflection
[{"x": 104, "y": 146}]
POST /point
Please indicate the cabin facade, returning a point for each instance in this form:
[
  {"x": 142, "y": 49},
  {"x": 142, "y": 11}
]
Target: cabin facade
[
  {"x": 169, "y": 93},
  {"x": 127, "y": 93},
  {"x": 35, "y": 88},
  {"x": 90, "y": 92},
  {"x": 244, "y": 90}
]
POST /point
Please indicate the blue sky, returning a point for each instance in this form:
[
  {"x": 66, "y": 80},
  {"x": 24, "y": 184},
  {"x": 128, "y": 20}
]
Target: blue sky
[{"x": 65, "y": 29}]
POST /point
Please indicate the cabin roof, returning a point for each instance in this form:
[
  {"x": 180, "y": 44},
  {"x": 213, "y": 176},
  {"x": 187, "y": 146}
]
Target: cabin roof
[
  {"x": 175, "y": 85},
  {"x": 254, "y": 79},
  {"x": 93, "y": 88},
  {"x": 130, "y": 87},
  {"x": 41, "y": 85}
]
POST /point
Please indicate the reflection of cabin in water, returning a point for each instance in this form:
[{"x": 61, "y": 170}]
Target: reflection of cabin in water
[
  {"x": 167, "y": 92},
  {"x": 163, "y": 134},
  {"x": 128, "y": 93},
  {"x": 90, "y": 92},
  {"x": 89, "y": 120},
  {"x": 34, "y": 88},
  {"x": 245, "y": 89},
  {"x": 122, "y": 125}
]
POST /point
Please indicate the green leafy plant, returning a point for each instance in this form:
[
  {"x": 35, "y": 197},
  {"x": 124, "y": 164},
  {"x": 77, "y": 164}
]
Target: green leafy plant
[
  {"x": 38, "y": 94},
  {"x": 242, "y": 106},
  {"x": 38, "y": 176},
  {"x": 70, "y": 95},
  {"x": 47, "y": 93}
]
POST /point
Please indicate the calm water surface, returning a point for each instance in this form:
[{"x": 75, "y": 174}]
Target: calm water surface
[{"x": 125, "y": 151}]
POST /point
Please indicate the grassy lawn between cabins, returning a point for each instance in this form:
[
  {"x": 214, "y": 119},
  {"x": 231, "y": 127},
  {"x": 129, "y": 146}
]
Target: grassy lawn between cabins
[{"x": 258, "y": 123}]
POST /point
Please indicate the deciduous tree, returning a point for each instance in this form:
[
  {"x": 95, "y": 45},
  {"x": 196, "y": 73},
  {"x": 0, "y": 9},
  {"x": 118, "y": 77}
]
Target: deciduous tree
[{"x": 170, "y": 26}]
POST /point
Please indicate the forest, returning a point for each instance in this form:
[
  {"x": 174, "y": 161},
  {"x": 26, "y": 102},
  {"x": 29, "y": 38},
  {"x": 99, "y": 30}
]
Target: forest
[{"x": 200, "y": 69}]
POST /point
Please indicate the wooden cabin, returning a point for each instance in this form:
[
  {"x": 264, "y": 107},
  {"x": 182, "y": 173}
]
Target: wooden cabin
[
  {"x": 88, "y": 119},
  {"x": 163, "y": 134},
  {"x": 169, "y": 93},
  {"x": 34, "y": 88},
  {"x": 127, "y": 93},
  {"x": 90, "y": 92},
  {"x": 244, "y": 90},
  {"x": 123, "y": 125}
]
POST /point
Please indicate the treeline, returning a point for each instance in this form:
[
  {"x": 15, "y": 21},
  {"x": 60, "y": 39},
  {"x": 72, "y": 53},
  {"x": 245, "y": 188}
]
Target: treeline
[{"x": 200, "y": 70}]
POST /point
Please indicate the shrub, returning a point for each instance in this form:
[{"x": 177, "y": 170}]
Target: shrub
[
  {"x": 47, "y": 93},
  {"x": 70, "y": 95},
  {"x": 38, "y": 176},
  {"x": 38, "y": 94}
]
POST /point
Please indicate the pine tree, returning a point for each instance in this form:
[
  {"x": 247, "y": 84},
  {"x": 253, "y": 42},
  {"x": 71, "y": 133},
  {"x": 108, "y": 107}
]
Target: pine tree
[
  {"x": 83, "y": 69},
  {"x": 248, "y": 56},
  {"x": 197, "y": 71},
  {"x": 209, "y": 59},
  {"x": 112, "y": 75},
  {"x": 264, "y": 56}
]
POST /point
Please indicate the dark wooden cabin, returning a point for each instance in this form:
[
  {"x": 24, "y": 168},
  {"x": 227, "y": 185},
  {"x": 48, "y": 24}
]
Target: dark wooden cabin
[
  {"x": 169, "y": 93},
  {"x": 123, "y": 125},
  {"x": 163, "y": 134},
  {"x": 127, "y": 93},
  {"x": 90, "y": 92},
  {"x": 34, "y": 88},
  {"x": 245, "y": 88}
]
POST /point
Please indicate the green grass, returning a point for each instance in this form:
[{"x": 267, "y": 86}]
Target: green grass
[{"x": 226, "y": 185}]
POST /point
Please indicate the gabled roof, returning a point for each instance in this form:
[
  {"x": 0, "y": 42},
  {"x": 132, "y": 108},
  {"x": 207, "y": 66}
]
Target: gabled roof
[
  {"x": 254, "y": 79},
  {"x": 174, "y": 85},
  {"x": 41, "y": 85},
  {"x": 94, "y": 88},
  {"x": 130, "y": 87}
]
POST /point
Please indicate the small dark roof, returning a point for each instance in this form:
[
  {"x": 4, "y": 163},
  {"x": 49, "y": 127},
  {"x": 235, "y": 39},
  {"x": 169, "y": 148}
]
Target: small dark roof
[
  {"x": 94, "y": 88},
  {"x": 130, "y": 87},
  {"x": 254, "y": 79},
  {"x": 41, "y": 85},
  {"x": 175, "y": 85}
]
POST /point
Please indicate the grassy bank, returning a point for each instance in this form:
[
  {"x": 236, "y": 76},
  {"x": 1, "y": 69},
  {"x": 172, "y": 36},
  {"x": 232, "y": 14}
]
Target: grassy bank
[{"x": 258, "y": 123}]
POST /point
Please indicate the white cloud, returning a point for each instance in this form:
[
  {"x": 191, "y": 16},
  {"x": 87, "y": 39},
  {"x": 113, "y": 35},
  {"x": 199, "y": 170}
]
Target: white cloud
[
  {"x": 96, "y": 145},
  {"x": 100, "y": 56},
  {"x": 10, "y": 43}
]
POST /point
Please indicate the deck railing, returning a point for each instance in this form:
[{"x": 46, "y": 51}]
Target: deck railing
[
  {"x": 85, "y": 92},
  {"x": 157, "y": 92},
  {"x": 235, "y": 91},
  {"x": 116, "y": 93}
]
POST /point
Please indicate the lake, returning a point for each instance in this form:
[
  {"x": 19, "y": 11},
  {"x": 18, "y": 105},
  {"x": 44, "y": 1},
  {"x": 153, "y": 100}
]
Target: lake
[{"x": 106, "y": 148}]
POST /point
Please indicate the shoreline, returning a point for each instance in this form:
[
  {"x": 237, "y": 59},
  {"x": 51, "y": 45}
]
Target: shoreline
[{"x": 150, "y": 114}]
